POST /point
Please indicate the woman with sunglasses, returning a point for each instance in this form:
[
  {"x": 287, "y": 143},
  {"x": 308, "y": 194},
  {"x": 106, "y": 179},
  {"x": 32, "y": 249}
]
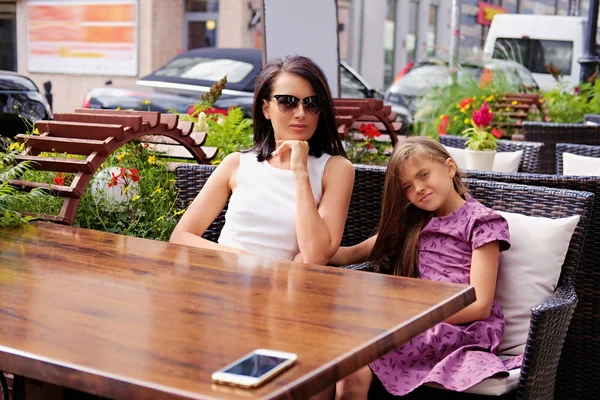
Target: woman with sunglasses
[{"x": 289, "y": 194}]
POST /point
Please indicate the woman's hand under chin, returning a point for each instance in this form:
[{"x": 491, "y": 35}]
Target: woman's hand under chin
[{"x": 298, "y": 156}]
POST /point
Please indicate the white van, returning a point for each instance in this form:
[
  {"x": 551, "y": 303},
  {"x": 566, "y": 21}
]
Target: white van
[{"x": 538, "y": 40}]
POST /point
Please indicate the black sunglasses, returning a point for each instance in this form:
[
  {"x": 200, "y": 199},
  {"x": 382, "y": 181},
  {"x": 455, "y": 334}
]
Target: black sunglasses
[{"x": 288, "y": 103}]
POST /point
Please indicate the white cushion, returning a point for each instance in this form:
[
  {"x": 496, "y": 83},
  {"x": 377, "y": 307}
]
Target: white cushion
[
  {"x": 591, "y": 123},
  {"x": 458, "y": 155},
  {"x": 504, "y": 161},
  {"x": 529, "y": 271},
  {"x": 574, "y": 164},
  {"x": 507, "y": 161}
]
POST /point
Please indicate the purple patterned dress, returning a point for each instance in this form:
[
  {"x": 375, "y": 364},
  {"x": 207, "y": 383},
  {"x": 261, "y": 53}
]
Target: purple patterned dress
[{"x": 454, "y": 356}]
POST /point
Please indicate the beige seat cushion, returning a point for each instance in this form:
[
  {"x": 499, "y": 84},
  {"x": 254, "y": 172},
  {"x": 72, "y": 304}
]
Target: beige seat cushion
[{"x": 574, "y": 164}]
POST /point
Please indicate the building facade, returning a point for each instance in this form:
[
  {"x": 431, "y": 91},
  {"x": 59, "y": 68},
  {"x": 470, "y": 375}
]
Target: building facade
[{"x": 377, "y": 37}]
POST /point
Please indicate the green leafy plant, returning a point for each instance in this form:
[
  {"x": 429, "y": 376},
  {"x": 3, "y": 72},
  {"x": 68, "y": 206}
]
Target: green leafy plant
[
  {"x": 229, "y": 133},
  {"x": 362, "y": 146},
  {"x": 447, "y": 109},
  {"x": 12, "y": 200}
]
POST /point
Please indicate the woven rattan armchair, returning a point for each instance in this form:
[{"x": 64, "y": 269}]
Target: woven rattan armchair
[
  {"x": 531, "y": 150},
  {"x": 550, "y": 320},
  {"x": 579, "y": 366},
  {"x": 578, "y": 149},
  {"x": 363, "y": 213},
  {"x": 595, "y": 118},
  {"x": 552, "y": 133}
]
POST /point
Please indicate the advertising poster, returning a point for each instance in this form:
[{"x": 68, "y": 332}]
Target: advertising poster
[{"x": 96, "y": 37}]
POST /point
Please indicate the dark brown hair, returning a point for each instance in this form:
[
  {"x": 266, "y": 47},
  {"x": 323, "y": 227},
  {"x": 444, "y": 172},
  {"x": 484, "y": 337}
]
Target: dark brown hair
[
  {"x": 326, "y": 138},
  {"x": 402, "y": 222}
]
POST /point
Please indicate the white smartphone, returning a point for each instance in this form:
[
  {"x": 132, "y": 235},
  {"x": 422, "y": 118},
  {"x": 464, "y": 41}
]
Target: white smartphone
[{"x": 254, "y": 368}]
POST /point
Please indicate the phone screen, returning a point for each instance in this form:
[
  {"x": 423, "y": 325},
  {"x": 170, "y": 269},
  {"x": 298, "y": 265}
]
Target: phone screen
[{"x": 255, "y": 365}]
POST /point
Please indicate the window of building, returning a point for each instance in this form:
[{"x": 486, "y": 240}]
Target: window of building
[
  {"x": 432, "y": 29},
  {"x": 412, "y": 37},
  {"x": 8, "y": 37},
  {"x": 200, "y": 23},
  {"x": 389, "y": 41},
  {"x": 201, "y": 5}
]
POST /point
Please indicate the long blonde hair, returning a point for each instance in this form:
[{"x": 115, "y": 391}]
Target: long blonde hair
[{"x": 401, "y": 222}]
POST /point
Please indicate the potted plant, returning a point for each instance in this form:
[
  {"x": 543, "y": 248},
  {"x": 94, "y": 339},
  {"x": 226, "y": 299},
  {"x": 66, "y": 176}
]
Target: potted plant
[{"x": 481, "y": 143}]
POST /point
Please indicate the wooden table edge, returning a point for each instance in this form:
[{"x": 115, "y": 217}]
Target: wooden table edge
[
  {"x": 49, "y": 370},
  {"x": 456, "y": 303}
]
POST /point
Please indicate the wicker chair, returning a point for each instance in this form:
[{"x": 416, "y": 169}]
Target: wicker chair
[
  {"x": 550, "y": 320},
  {"x": 595, "y": 118},
  {"x": 578, "y": 149},
  {"x": 579, "y": 366},
  {"x": 363, "y": 214},
  {"x": 552, "y": 133},
  {"x": 531, "y": 151}
]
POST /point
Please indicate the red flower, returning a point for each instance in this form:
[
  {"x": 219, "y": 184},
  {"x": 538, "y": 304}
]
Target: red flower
[
  {"x": 576, "y": 90},
  {"x": 369, "y": 146},
  {"x": 135, "y": 176},
  {"x": 443, "y": 125},
  {"x": 114, "y": 179},
  {"x": 369, "y": 130},
  {"x": 497, "y": 132},
  {"x": 59, "y": 179},
  {"x": 466, "y": 102},
  {"x": 483, "y": 117}
]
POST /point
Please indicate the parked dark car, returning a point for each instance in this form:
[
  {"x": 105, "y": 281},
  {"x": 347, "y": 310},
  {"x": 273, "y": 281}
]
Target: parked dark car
[
  {"x": 20, "y": 98},
  {"x": 403, "y": 95},
  {"x": 182, "y": 80}
]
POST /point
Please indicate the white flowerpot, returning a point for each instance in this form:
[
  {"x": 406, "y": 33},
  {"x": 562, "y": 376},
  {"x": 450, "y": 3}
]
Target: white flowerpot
[
  {"x": 116, "y": 196},
  {"x": 482, "y": 160}
]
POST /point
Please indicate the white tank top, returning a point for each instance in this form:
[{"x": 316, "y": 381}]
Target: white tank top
[{"x": 261, "y": 217}]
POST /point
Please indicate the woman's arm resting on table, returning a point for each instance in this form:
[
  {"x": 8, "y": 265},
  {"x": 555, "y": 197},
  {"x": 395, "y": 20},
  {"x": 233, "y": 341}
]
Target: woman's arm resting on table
[
  {"x": 207, "y": 206},
  {"x": 484, "y": 272},
  {"x": 320, "y": 229}
]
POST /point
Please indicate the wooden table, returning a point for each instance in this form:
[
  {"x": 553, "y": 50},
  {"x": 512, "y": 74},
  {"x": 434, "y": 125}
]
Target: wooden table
[{"x": 128, "y": 318}]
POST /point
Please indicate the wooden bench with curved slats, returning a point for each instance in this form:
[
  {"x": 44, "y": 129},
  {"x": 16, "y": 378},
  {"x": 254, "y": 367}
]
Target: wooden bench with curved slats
[
  {"x": 526, "y": 104},
  {"x": 97, "y": 134},
  {"x": 368, "y": 111}
]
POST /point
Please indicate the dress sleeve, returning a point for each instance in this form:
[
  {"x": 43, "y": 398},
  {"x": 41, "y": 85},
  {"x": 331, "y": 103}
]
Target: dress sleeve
[{"x": 489, "y": 226}]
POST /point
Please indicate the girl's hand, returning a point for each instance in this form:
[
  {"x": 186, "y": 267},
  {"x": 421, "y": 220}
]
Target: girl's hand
[{"x": 299, "y": 154}]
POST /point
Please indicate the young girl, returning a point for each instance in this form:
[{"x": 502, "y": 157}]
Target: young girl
[
  {"x": 430, "y": 228},
  {"x": 288, "y": 195}
]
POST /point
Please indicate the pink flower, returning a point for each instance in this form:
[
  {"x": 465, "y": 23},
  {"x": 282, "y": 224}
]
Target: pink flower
[{"x": 483, "y": 117}]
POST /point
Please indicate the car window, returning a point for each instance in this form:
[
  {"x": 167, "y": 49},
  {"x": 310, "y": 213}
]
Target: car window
[
  {"x": 422, "y": 78},
  {"x": 16, "y": 82},
  {"x": 206, "y": 69},
  {"x": 534, "y": 54},
  {"x": 351, "y": 86}
]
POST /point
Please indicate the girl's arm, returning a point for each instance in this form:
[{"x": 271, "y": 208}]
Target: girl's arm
[
  {"x": 484, "y": 271},
  {"x": 320, "y": 230},
  {"x": 354, "y": 254},
  {"x": 206, "y": 207}
]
